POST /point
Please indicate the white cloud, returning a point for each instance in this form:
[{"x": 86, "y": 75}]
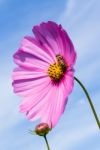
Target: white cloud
[
  {"x": 74, "y": 11},
  {"x": 69, "y": 7}
]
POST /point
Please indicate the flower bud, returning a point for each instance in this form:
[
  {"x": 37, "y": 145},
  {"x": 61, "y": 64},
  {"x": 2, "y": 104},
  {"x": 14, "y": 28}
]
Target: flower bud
[{"x": 42, "y": 129}]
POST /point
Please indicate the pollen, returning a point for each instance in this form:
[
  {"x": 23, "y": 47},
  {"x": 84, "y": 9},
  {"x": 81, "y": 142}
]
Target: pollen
[{"x": 57, "y": 70}]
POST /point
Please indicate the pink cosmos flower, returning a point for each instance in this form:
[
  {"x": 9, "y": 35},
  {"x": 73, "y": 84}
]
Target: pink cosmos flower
[{"x": 45, "y": 74}]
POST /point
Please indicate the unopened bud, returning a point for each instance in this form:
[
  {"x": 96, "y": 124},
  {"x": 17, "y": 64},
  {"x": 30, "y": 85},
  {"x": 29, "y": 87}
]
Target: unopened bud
[{"x": 42, "y": 129}]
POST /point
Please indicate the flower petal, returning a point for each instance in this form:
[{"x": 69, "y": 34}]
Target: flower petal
[
  {"x": 31, "y": 46},
  {"x": 28, "y": 61},
  {"x": 51, "y": 107},
  {"x": 25, "y": 81},
  {"x": 55, "y": 106},
  {"x": 44, "y": 47},
  {"x": 27, "y": 74},
  {"x": 36, "y": 110},
  {"x": 47, "y": 35},
  {"x": 69, "y": 81},
  {"x": 49, "y": 102},
  {"x": 35, "y": 98},
  {"x": 55, "y": 38},
  {"x": 69, "y": 51}
]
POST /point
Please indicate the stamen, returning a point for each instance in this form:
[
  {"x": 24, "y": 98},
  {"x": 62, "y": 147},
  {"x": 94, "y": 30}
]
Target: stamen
[{"x": 56, "y": 71}]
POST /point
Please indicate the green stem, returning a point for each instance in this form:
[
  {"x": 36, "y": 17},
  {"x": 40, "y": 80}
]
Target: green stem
[
  {"x": 48, "y": 147},
  {"x": 90, "y": 101}
]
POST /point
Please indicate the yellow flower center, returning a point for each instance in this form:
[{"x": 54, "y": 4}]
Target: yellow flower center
[{"x": 56, "y": 71}]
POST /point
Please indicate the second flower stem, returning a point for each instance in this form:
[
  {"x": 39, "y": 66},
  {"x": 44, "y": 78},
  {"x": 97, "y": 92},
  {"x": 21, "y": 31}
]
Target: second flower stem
[
  {"x": 48, "y": 147},
  {"x": 90, "y": 101}
]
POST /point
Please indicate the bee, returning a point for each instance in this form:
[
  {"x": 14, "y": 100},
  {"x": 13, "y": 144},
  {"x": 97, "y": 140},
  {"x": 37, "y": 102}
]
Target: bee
[
  {"x": 61, "y": 62},
  {"x": 60, "y": 59}
]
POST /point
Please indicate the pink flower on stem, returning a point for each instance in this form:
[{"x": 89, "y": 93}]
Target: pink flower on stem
[{"x": 45, "y": 74}]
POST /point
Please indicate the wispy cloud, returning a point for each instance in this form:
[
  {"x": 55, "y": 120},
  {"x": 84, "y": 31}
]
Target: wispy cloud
[{"x": 69, "y": 7}]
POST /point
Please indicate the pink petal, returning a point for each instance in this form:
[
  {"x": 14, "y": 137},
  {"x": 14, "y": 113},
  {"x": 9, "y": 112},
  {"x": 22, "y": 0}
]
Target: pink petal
[
  {"x": 49, "y": 104},
  {"x": 26, "y": 74},
  {"x": 56, "y": 105},
  {"x": 28, "y": 61},
  {"x": 35, "y": 98},
  {"x": 48, "y": 34},
  {"x": 44, "y": 47},
  {"x": 36, "y": 111},
  {"x": 32, "y": 47},
  {"x": 55, "y": 31},
  {"x": 51, "y": 107},
  {"x": 26, "y": 87},
  {"x": 69, "y": 81},
  {"x": 21, "y": 85},
  {"x": 69, "y": 51},
  {"x": 56, "y": 39}
]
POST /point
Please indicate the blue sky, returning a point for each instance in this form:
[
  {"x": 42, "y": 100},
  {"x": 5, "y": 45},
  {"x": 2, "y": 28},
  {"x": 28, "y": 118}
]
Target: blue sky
[{"x": 77, "y": 128}]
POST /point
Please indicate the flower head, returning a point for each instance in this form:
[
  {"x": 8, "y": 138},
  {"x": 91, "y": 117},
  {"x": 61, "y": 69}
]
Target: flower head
[{"x": 44, "y": 76}]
